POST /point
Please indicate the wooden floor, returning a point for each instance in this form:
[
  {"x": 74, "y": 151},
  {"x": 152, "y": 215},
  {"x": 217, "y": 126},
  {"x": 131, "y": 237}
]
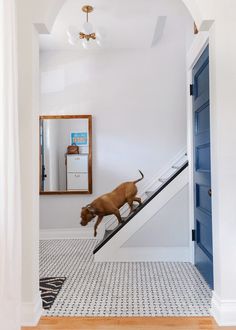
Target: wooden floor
[{"x": 127, "y": 323}]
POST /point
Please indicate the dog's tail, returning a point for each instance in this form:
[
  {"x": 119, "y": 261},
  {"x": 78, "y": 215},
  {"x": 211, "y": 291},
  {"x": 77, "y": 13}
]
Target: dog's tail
[{"x": 140, "y": 178}]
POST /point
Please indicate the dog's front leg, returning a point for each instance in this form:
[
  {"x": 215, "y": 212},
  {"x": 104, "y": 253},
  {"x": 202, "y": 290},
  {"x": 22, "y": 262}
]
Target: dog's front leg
[
  {"x": 138, "y": 199},
  {"x": 117, "y": 214},
  {"x": 99, "y": 219}
]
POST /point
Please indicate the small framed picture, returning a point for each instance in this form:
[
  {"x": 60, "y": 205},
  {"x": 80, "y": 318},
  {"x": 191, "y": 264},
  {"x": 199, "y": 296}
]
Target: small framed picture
[{"x": 79, "y": 139}]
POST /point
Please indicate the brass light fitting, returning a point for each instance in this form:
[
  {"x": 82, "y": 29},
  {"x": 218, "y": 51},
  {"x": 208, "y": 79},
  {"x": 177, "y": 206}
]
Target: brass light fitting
[
  {"x": 87, "y": 9},
  {"x": 87, "y": 36}
]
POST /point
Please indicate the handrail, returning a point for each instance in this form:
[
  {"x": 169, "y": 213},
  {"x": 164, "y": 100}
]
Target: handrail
[{"x": 140, "y": 207}]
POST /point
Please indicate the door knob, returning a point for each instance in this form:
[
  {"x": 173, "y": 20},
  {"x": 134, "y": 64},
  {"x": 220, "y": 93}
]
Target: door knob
[{"x": 209, "y": 192}]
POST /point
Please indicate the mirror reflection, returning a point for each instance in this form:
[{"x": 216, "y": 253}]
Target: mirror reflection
[{"x": 65, "y": 154}]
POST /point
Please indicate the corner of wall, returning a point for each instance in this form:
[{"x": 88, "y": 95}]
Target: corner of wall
[
  {"x": 223, "y": 311},
  {"x": 31, "y": 312}
]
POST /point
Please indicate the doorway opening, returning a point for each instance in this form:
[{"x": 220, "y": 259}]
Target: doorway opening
[{"x": 63, "y": 86}]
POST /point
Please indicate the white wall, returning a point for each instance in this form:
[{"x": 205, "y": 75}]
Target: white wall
[
  {"x": 137, "y": 99},
  {"x": 28, "y": 102},
  {"x": 169, "y": 227},
  {"x": 223, "y": 137}
]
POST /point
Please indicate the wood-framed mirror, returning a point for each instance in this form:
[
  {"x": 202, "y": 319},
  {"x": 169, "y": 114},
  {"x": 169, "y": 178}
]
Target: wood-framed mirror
[{"x": 65, "y": 154}]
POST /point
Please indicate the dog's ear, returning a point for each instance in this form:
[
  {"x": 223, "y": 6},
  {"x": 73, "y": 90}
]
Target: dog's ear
[{"x": 90, "y": 209}]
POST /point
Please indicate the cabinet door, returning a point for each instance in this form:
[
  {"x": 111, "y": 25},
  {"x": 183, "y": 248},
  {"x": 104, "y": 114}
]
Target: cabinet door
[
  {"x": 77, "y": 163},
  {"x": 77, "y": 181}
]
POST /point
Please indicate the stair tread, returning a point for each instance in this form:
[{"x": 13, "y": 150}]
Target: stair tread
[
  {"x": 149, "y": 193},
  {"x": 108, "y": 232},
  {"x": 176, "y": 167},
  {"x": 163, "y": 180}
]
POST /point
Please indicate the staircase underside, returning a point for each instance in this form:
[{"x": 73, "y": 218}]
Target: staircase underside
[{"x": 150, "y": 196}]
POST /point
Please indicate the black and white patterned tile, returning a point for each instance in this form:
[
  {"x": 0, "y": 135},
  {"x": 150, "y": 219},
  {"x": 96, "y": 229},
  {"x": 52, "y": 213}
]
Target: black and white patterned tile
[{"x": 120, "y": 288}]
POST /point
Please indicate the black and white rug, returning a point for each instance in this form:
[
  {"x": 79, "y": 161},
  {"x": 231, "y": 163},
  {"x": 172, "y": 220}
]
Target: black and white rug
[
  {"x": 49, "y": 288},
  {"x": 120, "y": 288}
]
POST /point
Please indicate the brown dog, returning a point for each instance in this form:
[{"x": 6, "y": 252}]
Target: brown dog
[{"x": 111, "y": 203}]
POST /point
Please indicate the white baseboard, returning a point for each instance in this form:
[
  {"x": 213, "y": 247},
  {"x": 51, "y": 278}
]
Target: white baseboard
[
  {"x": 135, "y": 254},
  {"x": 71, "y": 233},
  {"x": 223, "y": 311},
  {"x": 31, "y": 312}
]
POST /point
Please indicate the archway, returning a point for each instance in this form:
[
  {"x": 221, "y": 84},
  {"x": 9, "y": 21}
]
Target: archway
[
  {"x": 46, "y": 16},
  {"x": 200, "y": 11}
]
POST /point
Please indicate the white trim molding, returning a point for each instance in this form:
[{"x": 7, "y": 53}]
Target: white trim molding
[
  {"x": 31, "y": 312},
  {"x": 71, "y": 233},
  {"x": 151, "y": 254},
  {"x": 224, "y": 311}
]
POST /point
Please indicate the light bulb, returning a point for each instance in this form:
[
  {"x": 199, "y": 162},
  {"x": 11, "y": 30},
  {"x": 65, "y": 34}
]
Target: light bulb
[
  {"x": 88, "y": 28},
  {"x": 88, "y": 44}
]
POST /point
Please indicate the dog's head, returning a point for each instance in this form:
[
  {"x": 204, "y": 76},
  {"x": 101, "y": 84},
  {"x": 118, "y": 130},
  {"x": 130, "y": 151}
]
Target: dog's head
[{"x": 87, "y": 214}]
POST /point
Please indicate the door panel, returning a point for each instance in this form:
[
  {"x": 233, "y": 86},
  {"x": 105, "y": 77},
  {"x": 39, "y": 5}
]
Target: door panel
[
  {"x": 203, "y": 157},
  {"x": 202, "y": 119},
  {"x": 203, "y": 234},
  {"x": 203, "y": 202},
  {"x": 202, "y": 168}
]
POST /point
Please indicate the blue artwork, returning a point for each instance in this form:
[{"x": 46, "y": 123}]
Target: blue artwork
[{"x": 79, "y": 139}]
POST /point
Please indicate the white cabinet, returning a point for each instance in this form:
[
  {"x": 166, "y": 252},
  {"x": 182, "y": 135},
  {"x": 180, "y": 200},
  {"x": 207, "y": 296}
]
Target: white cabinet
[
  {"x": 77, "y": 181},
  {"x": 77, "y": 163},
  {"x": 77, "y": 172}
]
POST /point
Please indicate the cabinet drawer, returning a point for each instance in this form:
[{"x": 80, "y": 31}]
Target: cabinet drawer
[
  {"x": 77, "y": 181},
  {"x": 77, "y": 163}
]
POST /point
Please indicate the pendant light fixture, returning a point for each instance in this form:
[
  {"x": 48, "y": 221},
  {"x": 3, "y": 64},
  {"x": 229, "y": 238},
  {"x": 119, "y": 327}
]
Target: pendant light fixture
[{"x": 87, "y": 35}]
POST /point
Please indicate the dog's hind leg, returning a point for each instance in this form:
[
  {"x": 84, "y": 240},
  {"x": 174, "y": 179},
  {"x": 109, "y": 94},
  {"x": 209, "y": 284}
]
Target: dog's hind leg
[
  {"x": 131, "y": 205},
  {"x": 130, "y": 202},
  {"x": 99, "y": 219}
]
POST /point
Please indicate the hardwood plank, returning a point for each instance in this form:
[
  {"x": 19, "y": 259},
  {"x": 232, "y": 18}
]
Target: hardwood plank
[{"x": 127, "y": 323}]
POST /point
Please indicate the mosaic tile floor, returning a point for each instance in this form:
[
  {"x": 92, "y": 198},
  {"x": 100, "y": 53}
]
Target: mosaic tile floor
[{"x": 120, "y": 289}]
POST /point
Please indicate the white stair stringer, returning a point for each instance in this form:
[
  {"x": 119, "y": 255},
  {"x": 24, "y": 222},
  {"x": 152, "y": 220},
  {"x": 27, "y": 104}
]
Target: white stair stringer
[
  {"x": 113, "y": 250},
  {"x": 155, "y": 182}
]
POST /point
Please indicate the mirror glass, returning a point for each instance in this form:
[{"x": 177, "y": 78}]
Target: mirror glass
[{"x": 66, "y": 154}]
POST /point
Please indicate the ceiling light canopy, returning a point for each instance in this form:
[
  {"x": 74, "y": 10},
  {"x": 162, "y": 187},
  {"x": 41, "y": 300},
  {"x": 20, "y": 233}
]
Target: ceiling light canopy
[{"x": 87, "y": 35}]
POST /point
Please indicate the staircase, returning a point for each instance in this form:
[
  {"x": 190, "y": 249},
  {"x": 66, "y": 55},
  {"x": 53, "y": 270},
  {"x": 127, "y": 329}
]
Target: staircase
[{"x": 152, "y": 191}]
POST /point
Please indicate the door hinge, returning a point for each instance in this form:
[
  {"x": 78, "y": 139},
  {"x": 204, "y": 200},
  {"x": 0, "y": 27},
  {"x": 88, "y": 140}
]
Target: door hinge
[
  {"x": 191, "y": 89},
  {"x": 194, "y": 235}
]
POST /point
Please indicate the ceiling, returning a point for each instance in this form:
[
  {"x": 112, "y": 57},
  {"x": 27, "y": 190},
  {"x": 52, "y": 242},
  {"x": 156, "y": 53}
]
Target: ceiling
[{"x": 123, "y": 24}]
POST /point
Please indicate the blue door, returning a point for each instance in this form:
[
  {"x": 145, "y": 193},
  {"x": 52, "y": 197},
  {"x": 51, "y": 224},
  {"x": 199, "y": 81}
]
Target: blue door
[{"x": 202, "y": 168}]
